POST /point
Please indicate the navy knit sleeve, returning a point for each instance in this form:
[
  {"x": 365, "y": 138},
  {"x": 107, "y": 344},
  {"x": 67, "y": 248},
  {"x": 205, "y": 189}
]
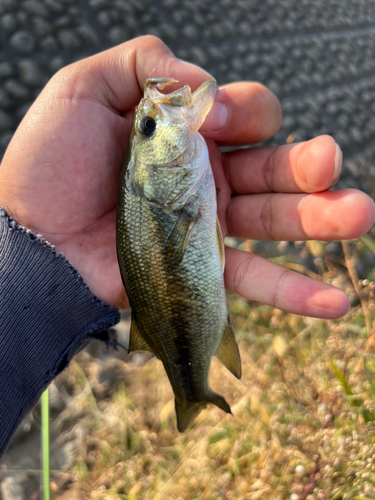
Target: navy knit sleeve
[{"x": 46, "y": 314}]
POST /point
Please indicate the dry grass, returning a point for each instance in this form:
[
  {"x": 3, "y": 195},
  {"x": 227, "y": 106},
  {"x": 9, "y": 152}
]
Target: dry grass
[{"x": 303, "y": 424}]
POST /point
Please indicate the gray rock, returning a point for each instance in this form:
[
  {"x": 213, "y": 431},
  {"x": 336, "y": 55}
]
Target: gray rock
[
  {"x": 190, "y": 31},
  {"x": 16, "y": 89},
  {"x": 19, "y": 487},
  {"x": 118, "y": 35},
  {"x": 63, "y": 22},
  {"x": 7, "y": 5},
  {"x": 22, "y": 110},
  {"x": 122, "y": 5},
  {"x": 115, "y": 16},
  {"x": 54, "y": 5},
  {"x": 68, "y": 39},
  {"x": 179, "y": 15},
  {"x": 6, "y": 121},
  {"x": 30, "y": 73},
  {"x": 36, "y": 8},
  {"x": 98, "y": 4},
  {"x": 170, "y": 3},
  {"x": 57, "y": 401},
  {"x": 168, "y": 31},
  {"x": 197, "y": 56},
  {"x": 22, "y": 41},
  {"x": 74, "y": 11},
  {"x": 49, "y": 44},
  {"x": 26, "y": 463},
  {"x": 131, "y": 22},
  {"x": 6, "y": 70},
  {"x": 22, "y": 17},
  {"x": 104, "y": 18},
  {"x": 40, "y": 26},
  {"x": 8, "y": 23},
  {"x": 66, "y": 455},
  {"x": 88, "y": 35},
  {"x": 5, "y": 100},
  {"x": 57, "y": 63},
  {"x": 154, "y": 30}
]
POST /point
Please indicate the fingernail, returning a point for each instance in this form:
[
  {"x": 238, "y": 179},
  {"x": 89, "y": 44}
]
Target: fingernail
[
  {"x": 217, "y": 118},
  {"x": 338, "y": 163}
]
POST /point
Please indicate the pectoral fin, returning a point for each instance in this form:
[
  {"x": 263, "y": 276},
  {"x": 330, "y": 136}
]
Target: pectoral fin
[
  {"x": 178, "y": 240},
  {"x": 220, "y": 243},
  {"x": 136, "y": 341},
  {"x": 228, "y": 353}
]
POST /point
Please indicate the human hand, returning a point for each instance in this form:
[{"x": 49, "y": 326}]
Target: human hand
[{"x": 60, "y": 174}]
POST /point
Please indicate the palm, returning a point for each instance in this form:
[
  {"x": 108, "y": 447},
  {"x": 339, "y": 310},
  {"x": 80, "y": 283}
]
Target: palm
[{"x": 67, "y": 190}]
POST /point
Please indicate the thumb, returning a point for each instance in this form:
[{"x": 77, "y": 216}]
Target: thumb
[{"x": 115, "y": 77}]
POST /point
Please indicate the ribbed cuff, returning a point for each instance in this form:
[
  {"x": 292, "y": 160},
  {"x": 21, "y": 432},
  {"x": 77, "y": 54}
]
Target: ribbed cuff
[{"x": 46, "y": 314}]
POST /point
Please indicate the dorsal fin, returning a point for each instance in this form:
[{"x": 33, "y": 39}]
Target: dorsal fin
[
  {"x": 228, "y": 353},
  {"x": 136, "y": 341}
]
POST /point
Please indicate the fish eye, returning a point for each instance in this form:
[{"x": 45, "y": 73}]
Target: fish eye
[{"x": 147, "y": 125}]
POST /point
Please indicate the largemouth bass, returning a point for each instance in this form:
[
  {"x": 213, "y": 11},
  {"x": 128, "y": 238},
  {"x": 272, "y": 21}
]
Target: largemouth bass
[{"x": 170, "y": 248}]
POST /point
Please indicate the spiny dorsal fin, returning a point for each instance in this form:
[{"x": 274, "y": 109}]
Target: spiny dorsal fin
[
  {"x": 202, "y": 101},
  {"x": 220, "y": 243},
  {"x": 228, "y": 353},
  {"x": 178, "y": 240},
  {"x": 136, "y": 341}
]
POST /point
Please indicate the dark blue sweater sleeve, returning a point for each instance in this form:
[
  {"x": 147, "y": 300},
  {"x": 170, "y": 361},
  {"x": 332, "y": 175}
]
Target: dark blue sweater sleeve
[{"x": 46, "y": 314}]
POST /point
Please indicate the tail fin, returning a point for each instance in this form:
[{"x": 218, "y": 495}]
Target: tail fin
[{"x": 186, "y": 412}]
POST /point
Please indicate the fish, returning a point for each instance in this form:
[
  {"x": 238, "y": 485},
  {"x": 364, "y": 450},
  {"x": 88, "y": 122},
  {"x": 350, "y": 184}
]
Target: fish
[{"x": 170, "y": 246}]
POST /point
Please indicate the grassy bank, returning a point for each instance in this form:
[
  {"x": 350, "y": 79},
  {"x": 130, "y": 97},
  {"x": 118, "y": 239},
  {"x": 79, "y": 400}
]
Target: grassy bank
[{"x": 303, "y": 424}]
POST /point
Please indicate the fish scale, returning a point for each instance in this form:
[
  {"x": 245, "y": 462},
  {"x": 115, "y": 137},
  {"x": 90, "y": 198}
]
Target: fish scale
[{"x": 168, "y": 248}]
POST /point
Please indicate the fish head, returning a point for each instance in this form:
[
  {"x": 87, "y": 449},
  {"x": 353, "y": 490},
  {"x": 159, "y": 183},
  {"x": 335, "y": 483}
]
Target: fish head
[{"x": 163, "y": 123}]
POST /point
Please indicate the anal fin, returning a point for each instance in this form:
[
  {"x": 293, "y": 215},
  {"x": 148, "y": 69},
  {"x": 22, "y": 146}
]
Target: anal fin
[
  {"x": 228, "y": 353},
  {"x": 136, "y": 341}
]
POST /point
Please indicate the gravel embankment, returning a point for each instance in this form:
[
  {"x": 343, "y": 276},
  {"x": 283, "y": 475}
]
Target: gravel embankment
[{"x": 317, "y": 56}]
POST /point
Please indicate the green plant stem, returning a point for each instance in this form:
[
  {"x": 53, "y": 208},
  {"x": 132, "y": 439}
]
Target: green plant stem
[{"x": 45, "y": 446}]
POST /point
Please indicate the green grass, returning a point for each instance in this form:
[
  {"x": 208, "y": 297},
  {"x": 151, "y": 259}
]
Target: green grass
[{"x": 45, "y": 446}]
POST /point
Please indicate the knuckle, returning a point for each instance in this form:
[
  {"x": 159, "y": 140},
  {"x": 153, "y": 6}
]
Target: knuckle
[
  {"x": 243, "y": 271},
  {"x": 269, "y": 168},
  {"x": 279, "y": 287},
  {"x": 266, "y": 216}
]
